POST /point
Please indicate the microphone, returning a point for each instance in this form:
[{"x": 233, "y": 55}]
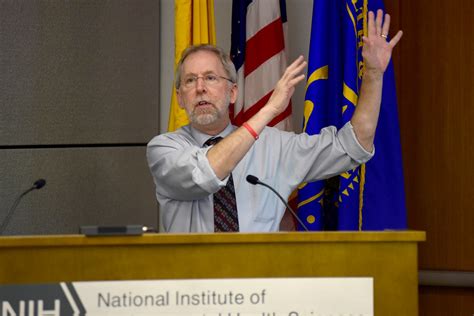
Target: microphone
[
  {"x": 254, "y": 180},
  {"x": 36, "y": 186}
]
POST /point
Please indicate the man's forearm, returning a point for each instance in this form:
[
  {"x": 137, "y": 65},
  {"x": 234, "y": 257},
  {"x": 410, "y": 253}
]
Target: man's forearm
[
  {"x": 225, "y": 155},
  {"x": 366, "y": 114},
  {"x": 377, "y": 53}
]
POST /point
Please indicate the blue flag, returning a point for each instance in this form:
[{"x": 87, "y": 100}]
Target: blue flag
[{"x": 369, "y": 197}]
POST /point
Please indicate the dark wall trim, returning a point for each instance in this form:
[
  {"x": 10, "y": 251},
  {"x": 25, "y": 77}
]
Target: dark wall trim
[{"x": 446, "y": 278}]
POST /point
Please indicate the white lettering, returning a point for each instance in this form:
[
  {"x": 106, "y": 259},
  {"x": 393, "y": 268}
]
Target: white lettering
[
  {"x": 54, "y": 312},
  {"x": 7, "y": 309},
  {"x": 31, "y": 308}
]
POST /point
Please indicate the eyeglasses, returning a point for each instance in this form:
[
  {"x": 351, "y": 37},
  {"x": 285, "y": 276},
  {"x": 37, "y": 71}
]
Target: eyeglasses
[{"x": 209, "y": 79}]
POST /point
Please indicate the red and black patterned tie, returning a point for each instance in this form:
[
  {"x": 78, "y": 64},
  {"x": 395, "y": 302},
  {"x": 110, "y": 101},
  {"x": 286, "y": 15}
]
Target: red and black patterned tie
[{"x": 225, "y": 205}]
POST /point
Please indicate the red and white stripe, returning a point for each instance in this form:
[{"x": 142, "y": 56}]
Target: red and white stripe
[{"x": 265, "y": 62}]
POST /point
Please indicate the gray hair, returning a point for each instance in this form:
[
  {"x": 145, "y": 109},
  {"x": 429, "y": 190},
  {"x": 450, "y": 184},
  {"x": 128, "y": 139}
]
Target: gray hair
[{"x": 219, "y": 52}]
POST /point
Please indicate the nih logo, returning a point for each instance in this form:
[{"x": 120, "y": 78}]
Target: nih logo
[{"x": 40, "y": 300}]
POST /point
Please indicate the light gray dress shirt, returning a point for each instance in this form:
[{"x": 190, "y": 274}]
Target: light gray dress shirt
[{"x": 185, "y": 181}]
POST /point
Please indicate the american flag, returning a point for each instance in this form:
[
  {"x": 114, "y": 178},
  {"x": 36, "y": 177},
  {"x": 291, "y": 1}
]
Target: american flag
[{"x": 259, "y": 52}]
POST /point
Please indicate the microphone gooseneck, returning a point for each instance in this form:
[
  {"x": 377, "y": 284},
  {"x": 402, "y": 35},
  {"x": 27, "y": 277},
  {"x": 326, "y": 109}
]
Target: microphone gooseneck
[
  {"x": 254, "y": 180},
  {"x": 36, "y": 186}
]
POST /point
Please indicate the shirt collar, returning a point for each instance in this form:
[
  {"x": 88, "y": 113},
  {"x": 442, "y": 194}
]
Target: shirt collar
[{"x": 201, "y": 137}]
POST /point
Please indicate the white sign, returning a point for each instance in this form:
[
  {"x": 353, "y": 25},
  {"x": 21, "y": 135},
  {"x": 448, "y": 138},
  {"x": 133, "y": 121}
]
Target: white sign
[{"x": 227, "y": 297}]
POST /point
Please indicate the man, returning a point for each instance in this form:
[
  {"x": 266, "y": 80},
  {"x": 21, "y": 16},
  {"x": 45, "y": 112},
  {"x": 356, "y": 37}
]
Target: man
[{"x": 197, "y": 176}]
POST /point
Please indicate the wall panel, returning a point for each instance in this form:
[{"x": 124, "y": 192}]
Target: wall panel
[
  {"x": 434, "y": 65},
  {"x": 79, "y": 100},
  {"x": 78, "y": 71},
  {"x": 85, "y": 186},
  {"x": 436, "y": 115},
  {"x": 444, "y": 301}
]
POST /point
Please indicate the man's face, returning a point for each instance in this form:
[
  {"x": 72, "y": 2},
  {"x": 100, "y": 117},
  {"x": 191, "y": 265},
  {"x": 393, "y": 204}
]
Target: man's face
[{"x": 206, "y": 104}]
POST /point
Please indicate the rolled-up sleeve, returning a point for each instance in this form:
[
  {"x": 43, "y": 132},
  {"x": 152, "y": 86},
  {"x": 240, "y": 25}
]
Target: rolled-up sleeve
[
  {"x": 181, "y": 170},
  {"x": 308, "y": 158},
  {"x": 352, "y": 146}
]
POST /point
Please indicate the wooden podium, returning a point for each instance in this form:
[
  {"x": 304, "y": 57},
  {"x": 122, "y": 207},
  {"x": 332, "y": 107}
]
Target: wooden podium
[{"x": 389, "y": 257}]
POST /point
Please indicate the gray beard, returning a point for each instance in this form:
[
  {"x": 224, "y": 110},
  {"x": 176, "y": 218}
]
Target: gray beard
[
  {"x": 204, "y": 118},
  {"x": 208, "y": 117}
]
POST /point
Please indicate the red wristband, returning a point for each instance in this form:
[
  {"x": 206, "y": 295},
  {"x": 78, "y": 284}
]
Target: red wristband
[{"x": 251, "y": 130}]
